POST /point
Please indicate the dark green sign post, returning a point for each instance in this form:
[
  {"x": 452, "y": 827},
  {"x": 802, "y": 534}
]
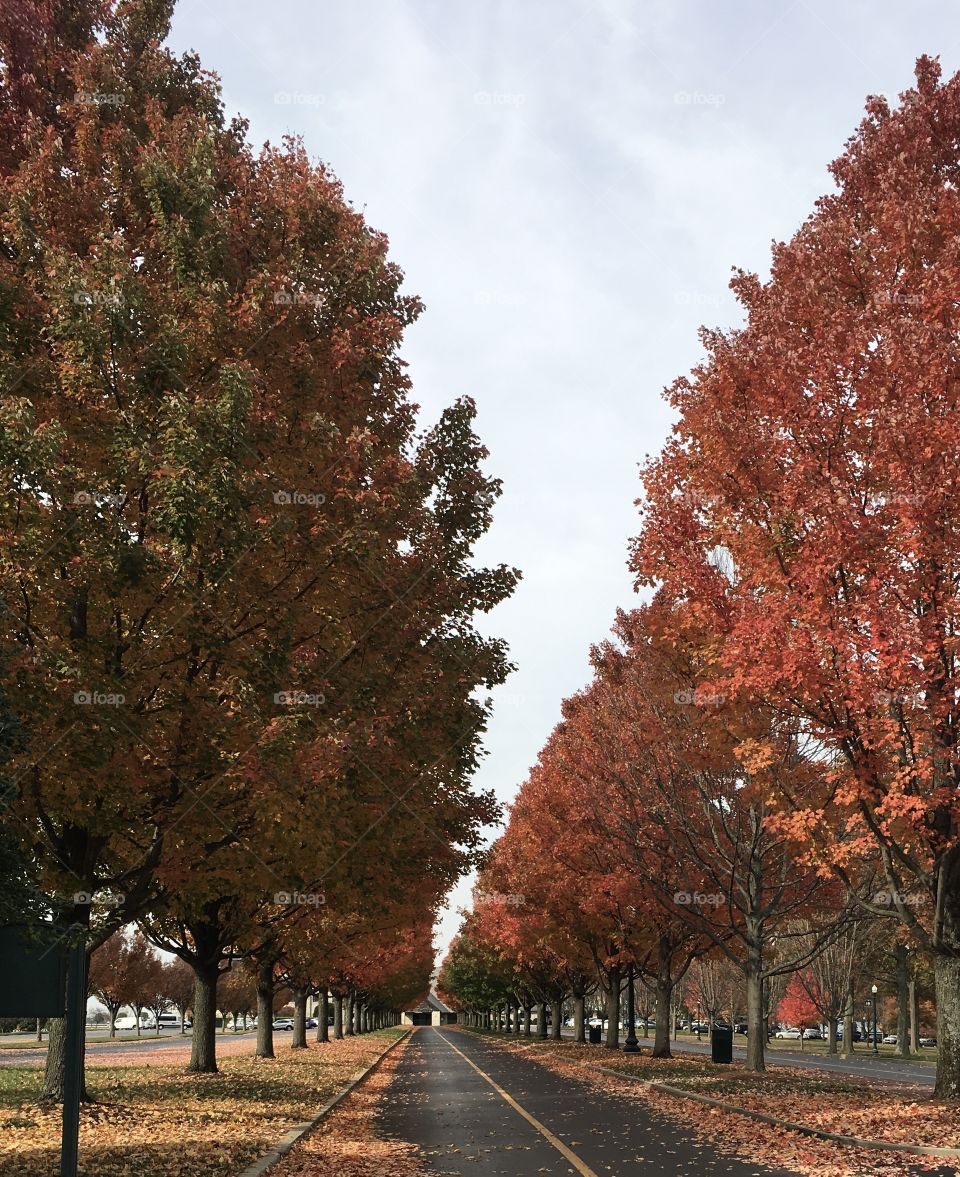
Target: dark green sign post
[
  {"x": 73, "y": 1070},
  {"x": 35, "y": 982}
]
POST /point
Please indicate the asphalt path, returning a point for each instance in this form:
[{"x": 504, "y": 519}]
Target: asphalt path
[{"x": 478, "y": 1110}]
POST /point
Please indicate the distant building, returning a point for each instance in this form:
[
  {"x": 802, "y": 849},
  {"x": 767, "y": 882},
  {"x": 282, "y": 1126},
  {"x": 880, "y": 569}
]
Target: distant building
[{"x": 431, "y": 1011}]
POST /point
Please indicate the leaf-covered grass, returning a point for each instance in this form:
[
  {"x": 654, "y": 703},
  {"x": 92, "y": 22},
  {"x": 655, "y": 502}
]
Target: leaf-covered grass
[{"x": 158, "y": 1121}]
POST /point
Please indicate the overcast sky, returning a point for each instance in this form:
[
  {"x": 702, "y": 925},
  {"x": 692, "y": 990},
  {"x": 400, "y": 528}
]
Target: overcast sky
[{"x": 567, "y": 184}]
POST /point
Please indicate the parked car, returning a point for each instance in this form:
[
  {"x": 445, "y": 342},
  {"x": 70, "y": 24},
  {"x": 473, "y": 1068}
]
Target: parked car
[
  {"x": 789, "y": 1033},
  {"x": 311, "y": 1023},
  {"x": 889, "y": 1040},
  {"x": 170, "y": 1020},
  {"x": 129, "y": 1022},
  {"x": 812, "y": 1032},
  {"x": 283, "y": 1024},
  {"x": 928, "y": 1042},
  {"x": 740, "y": 1028}
]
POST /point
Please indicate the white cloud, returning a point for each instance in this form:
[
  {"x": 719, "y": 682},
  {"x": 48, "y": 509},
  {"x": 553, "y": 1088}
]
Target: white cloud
[{"x": 568, "y": 232}]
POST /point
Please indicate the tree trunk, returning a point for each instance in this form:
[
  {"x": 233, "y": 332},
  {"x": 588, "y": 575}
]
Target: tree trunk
[
  {"x": 556, "y": 1012},
  {"x": 661, "y": 1034},
  {"x": 903, "y": 1001},
  {"x": 203, "y": 1048},
  {"x": 756, "y": 1038},
  {"x": 323, "y": 1015},
  {"x": 299, "y": 1020},
  {"x": 947, "y": 980},
  {"x": 579, "y": 1018},
  {"x": 348, "y": 1020},
  {"x": 612, "y": 1041},
  {"x": 663, "y": 992},
  {"x": 338, "y": 1016},
  {"x": 526, "y": 1020},
  {"x": 113, "y": 1022},
  {"x": 914, "y": 1016},
  {"x": 848, "y": 1020},
  {"x": 265, "y": 993},
  {"x": 541, "y": 1019},
  {"x": 56, "y": 1062}
]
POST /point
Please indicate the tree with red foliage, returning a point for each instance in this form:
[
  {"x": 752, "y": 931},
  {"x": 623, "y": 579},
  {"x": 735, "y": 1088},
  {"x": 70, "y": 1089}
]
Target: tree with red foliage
[{"x": 798, "y": 1009}]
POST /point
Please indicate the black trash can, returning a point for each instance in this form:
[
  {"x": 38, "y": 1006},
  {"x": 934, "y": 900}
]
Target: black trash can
[
  {"x": 595, "y": 1035},
  {"x": 722, "y": 1044}
]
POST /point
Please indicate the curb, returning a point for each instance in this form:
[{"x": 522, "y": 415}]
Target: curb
[{"x": 298, "y": 1131}]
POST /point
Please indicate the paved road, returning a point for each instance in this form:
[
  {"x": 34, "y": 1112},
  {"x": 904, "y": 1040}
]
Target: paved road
[
  {"x": 481, "y": 1111},
  {"x": 863, "y": 1066},
  {"x": 108, "y": 1050}
]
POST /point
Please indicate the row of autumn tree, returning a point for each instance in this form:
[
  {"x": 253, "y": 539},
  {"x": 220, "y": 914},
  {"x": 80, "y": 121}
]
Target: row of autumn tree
[
  {"x": 127, "y": 971},
  {"x": 769, "y": 746},
  {"x": 240, "y": 674}
]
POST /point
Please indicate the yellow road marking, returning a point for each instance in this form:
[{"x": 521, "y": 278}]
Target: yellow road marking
[{"x": 544, "y": 1131}]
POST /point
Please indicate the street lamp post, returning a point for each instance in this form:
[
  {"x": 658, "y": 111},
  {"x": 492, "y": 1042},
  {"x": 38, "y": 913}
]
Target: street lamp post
[
  {"x": 873, "y": 990},
  {"x": 631, "y": 1046}
]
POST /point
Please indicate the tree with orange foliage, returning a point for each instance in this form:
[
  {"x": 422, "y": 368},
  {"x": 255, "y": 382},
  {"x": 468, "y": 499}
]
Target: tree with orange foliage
[
  {"x": 240, "y": 584},
  {"x": 806, "y": 509}
]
